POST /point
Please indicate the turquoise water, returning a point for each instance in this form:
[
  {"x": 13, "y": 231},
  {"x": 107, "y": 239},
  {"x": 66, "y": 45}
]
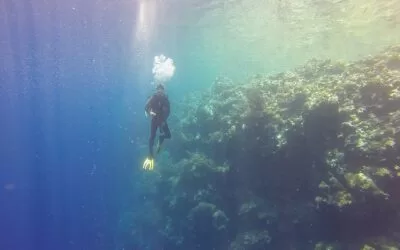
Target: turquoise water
[{"x": 242, "y": 38}]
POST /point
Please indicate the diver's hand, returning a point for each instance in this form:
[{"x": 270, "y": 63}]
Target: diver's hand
[{"x": 151, "y": 113}]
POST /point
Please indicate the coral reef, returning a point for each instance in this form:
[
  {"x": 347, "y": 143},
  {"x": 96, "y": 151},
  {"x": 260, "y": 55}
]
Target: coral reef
[{"x": 307, "y": 159}]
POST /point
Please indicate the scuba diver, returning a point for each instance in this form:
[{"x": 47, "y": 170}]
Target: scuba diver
[{"x": 158, "y": 107}]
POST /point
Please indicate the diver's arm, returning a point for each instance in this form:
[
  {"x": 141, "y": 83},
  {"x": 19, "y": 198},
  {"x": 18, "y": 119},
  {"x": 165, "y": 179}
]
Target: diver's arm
[{"x": 147, "y": 106}]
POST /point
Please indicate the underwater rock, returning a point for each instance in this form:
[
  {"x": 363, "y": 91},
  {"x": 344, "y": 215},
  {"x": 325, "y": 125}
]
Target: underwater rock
[
  {"x": 326, "y": 246},
  {"x": 364, "y": 183},
  {"x": 381, "y": 243},
  {"x": 206, "y": 217},
  {"x": 255, "y": 211},
  {"x": 207, "y": 226},
  {"x": 202, "y": 214},
  {"x": 220, "y": 220},
  {"x": 252, "y": 240}
]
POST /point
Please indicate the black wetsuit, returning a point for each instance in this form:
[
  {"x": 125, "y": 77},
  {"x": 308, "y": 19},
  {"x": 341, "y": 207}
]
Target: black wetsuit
[{"x": 159, "y": 104}]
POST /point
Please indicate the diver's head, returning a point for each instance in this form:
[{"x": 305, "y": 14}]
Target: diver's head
[{"x": 160, "y": 87}]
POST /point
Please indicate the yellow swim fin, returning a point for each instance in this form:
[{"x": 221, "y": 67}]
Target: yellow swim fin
[{"x": 148, "y": 164}]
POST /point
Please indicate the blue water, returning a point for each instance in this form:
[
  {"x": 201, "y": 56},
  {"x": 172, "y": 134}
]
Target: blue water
[{"x": 69, "y": 104}]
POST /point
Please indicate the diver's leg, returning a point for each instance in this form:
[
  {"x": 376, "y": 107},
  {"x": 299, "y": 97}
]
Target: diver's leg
[
  {"x": 166, "y": 134},
  {"x": 153, "y": 131}
]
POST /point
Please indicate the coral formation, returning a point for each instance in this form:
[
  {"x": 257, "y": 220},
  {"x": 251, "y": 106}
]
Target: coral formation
[{"x": 306, "y": 158}]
